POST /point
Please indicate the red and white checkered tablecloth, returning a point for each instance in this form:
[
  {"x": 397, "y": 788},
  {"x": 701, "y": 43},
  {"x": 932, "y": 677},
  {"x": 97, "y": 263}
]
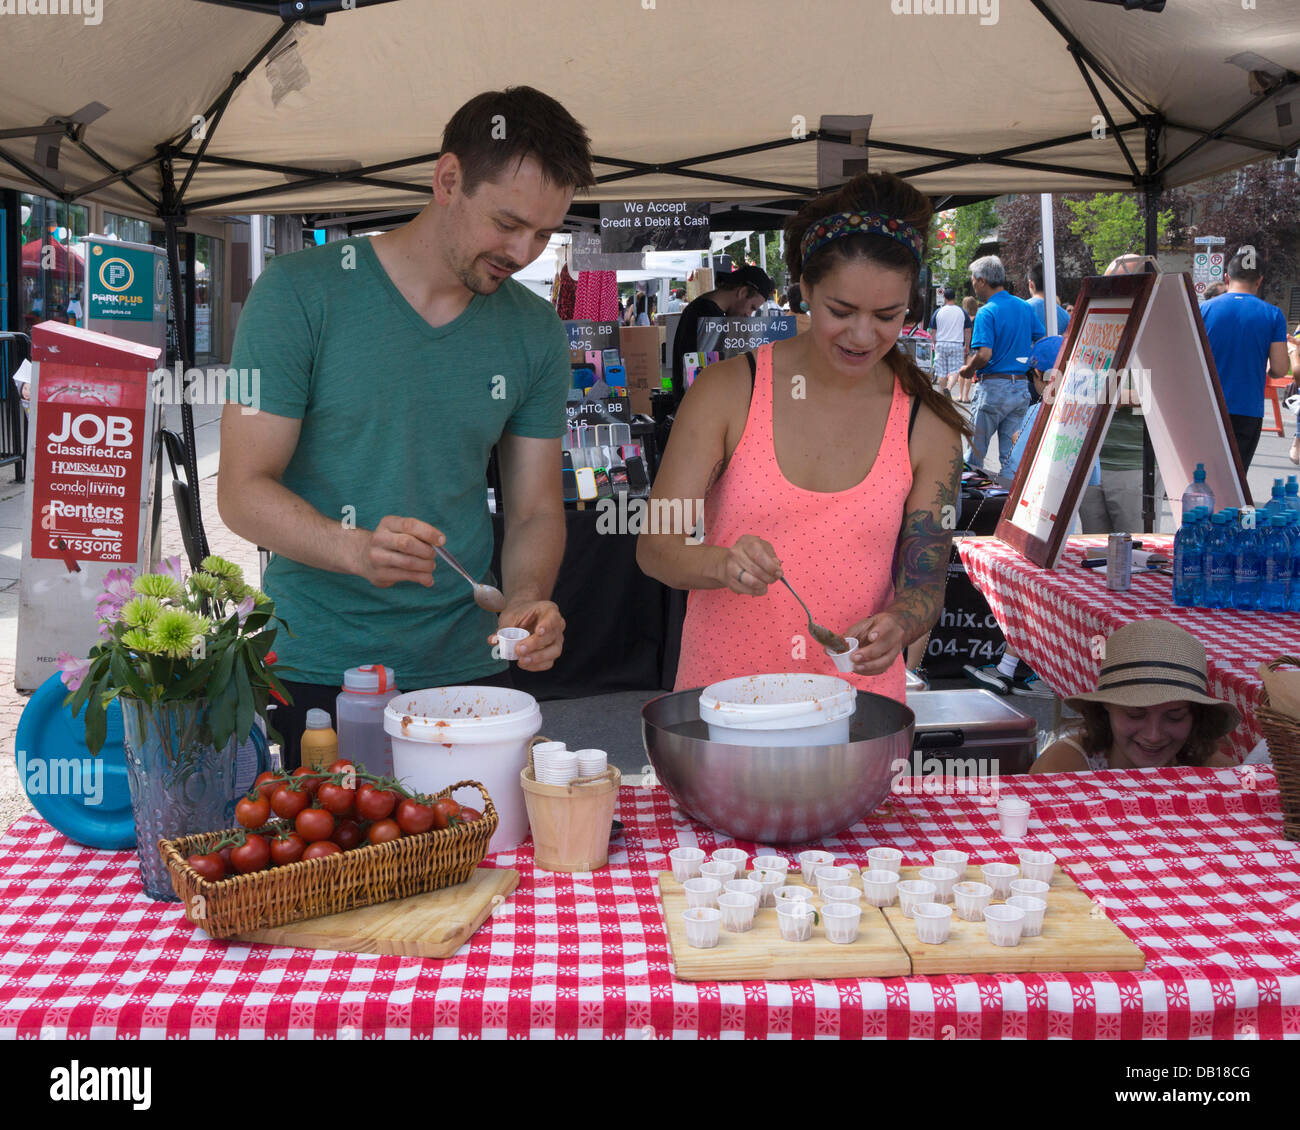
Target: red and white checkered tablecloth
[
  {"x": 1189, "y": 862},
  {"x": 1052, "y": 618}
]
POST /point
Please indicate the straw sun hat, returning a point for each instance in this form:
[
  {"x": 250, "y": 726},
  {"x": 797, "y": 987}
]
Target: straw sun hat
[{"x": 1151, "y": 662}]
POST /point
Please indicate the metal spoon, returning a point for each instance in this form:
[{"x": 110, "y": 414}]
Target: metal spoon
[
  {"x": 485, "y": 596},
  {"x": 823, "y": 636}
]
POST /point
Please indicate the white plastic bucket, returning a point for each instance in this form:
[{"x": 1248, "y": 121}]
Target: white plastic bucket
[
  {"x": 449, "y": 734},
  {"x": 779, "y": 710}
]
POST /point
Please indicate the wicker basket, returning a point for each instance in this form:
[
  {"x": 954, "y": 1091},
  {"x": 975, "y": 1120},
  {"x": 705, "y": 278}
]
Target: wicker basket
[
  {"x": 1282, "y": 732},
  {"x": 313, "y": 888}
]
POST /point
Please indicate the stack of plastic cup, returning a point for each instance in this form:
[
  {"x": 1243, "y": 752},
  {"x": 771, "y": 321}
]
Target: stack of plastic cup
[
  {"x": 1013, "y": 817},
  {"x": 554, "y": 766},
  {"x": 591, "y": 762}
]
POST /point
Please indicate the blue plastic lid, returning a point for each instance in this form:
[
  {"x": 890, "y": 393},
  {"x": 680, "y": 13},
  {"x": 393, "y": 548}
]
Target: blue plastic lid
[{"x": 1198, "y": 476}]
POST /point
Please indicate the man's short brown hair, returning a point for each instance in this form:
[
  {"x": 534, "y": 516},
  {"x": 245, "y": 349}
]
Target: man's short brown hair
[{"x": 499, "y": 128}]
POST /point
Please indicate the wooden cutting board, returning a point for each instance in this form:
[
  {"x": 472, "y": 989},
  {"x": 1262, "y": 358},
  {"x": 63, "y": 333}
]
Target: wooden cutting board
[
  {"x": 436, "y": 924},
  {"x": 1077, "y": 937},
  {"x": 761, "y": 954}
]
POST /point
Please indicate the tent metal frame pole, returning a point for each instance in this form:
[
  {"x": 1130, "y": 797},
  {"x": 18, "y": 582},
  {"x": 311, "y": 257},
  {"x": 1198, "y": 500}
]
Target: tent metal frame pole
[
  {"x": 1105, "y": 113},
  {"x": 1152, "y": 186},
  {"x": 1078, "y": 49},
  {"x": 280, "y": 189},
  {"x": 32, "y": 175},
  {"x": 301, "y": 171},
  {"x": 1221, "y": 129},
  {"x": 117, "y": 173}
]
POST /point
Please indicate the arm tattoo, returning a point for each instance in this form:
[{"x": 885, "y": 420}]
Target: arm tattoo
[{"x": 924, "y": 547}]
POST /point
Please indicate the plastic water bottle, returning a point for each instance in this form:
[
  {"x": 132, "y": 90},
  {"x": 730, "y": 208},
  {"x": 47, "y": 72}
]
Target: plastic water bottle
[
  {"x": 1292, "y": 496},
  {"x": 1189, "y": 561},
  {"x": 1246, "y": 561},
  {"x": 1276, "y": 504},
  {"x": 1219, "y": 564},
  {"x": 1199, "y": 492},
  {"x": 360, "y": 709},
  {"x": 1274, "y": 566},
  {"x": 1293, "y": 594}
]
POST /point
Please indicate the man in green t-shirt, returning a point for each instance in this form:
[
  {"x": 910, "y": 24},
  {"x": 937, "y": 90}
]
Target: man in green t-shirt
[{"x": 386, "y": 370}]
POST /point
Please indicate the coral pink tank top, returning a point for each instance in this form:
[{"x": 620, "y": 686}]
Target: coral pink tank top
[{"x": 836, "y": 549}]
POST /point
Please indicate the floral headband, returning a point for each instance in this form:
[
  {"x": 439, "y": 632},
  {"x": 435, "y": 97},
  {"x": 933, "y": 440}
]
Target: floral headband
[{"x": 840, "y": 224}]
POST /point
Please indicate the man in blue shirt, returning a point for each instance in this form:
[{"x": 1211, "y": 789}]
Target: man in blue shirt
[
  {"x": 1005, "y": 330},
  {"x": 1247, "y": 337},
  {"x": 1038, "y": 301}
]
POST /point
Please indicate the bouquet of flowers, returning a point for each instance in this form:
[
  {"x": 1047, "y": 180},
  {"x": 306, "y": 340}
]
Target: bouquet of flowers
[{"x": 169, "y": 638}]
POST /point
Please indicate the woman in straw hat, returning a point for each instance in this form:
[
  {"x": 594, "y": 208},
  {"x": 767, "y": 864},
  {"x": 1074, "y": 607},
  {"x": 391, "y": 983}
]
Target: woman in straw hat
[{"x": 1150, "y": 708}]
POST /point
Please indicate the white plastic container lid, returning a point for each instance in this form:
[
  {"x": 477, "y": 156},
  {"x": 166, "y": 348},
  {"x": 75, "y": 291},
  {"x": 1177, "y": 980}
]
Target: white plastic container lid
[
  {"x": 318, "y": 719},
  {"x": 777, "y": 702},
  {"x": 371, "y": 678},
  {"x": 453, "y": 715}
]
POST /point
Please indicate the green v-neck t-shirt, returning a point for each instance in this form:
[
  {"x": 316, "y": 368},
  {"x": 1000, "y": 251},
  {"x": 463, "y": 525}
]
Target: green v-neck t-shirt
[{"x": 398, "y": 417}]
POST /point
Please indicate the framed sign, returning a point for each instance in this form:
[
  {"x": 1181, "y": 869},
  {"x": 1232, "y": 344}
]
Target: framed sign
[{"x": 1130, "y": 333}]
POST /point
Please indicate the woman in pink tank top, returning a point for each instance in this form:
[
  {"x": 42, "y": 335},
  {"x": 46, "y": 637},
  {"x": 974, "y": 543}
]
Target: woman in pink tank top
[{"x": 834, "y": 464}]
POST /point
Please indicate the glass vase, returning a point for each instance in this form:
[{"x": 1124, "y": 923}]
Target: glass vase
[{"x": 180, "y": 782}]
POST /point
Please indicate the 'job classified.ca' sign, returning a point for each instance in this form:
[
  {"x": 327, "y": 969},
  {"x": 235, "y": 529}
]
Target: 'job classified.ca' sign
[{"x": 125, "y": 282}]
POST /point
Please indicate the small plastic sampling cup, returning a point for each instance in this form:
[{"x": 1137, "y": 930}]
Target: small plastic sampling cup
[
  {"x": 885, "y": 859},
  {"x": 832, "y": 877},
  {"x": 842, "y": 921},
  {"x": 1004, "y": 924},
  {"x": 795, "y": 920},
  {"x": 592, "y": 762},
  {"x": 737, "y": 911},
  {"x": 722, "y": 872},
  {"x": 1034, "y": 909},
  {"x": 880, "y": 888},
  {"x": 1039, "y": 865},
  {"x": 737, "y": 858},
  {"x": 810, "y": 861},
  {"x": 954, "y": 861},
  {"x": 508, "y": 639},
  {"x": 557, "y": 768},
  {"x": 686, "y": 863},
  {"x": 943, "y": 879},
  {"x": 702, "y": 926},
  {"x": 971, "y": 899},
  {"x": 1034, "y": 888},
  {"x": 1013, "y": 817},
  {"x": 913, "y": 892},
  {"x": 771, "y": 863},
  {"x": 843, "y": 660},
  {"x": 770, "y": 882},
  {"x": 702, "y": 892},
  {"x": 745, "y": 887},
  {"x": 845, "y": 894},
  {"x": 933, "y": 922},
  {"x": 999, "y": 876},
  {"x": 784, "y": 896}
]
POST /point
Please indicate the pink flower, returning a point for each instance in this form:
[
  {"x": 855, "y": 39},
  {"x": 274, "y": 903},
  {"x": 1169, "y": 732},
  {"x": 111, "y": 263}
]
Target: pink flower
[
  {"x": 243, "y": 608},
  {"x": 72, "y": 670},
  {"x": 117, "y": 591},
  {"x": 172, "y": 567}
]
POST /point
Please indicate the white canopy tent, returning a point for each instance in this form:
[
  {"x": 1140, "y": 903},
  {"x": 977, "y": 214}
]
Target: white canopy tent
[{"x": 219, "y": 106}]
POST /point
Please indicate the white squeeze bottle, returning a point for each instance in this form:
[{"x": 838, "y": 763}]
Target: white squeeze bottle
[{"x": 360, "y": 712}]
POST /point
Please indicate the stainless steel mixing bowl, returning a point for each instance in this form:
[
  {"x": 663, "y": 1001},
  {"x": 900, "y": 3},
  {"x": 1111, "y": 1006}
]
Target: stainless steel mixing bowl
[{"x": 776, "y": 794}]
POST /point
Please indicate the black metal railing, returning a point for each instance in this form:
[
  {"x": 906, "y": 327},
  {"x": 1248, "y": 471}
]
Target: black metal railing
[{"x": 15, "y": 348}]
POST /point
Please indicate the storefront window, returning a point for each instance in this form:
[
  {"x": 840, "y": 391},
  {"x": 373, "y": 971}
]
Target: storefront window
[
  {"x": 126, "y": 228},
  {"x": 53, "y": 270},
  {"x": 208, "y": 286}
]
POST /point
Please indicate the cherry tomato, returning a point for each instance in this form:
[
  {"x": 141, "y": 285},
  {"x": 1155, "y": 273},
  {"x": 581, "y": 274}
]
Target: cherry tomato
[
  {"x": 253, "y": 812},
  {"x": 444, "y": 811},
  {"x": 252, "y": 855},
  {"x": 375, "y": 804},
  {"x": 347, "y": 834},
  {"x": 309, "y": 775},
  {"x": 287, "y": 802},
  {"x": 342, "y": 765},
  {"x": 321, "y": 849},
  {"x": 384, "y": 831},
  {"x": 209, "y": 867},
  {"x": 414, "y": 817},
  {"x": 336, "y": 798},
  {"x": 314, "y": 824},
  {"x": 468, "y": 814},
  {"x": 225, "y": 854},
  {"x": 287, "y": 848},
  {"x": 268, "y": 782}
]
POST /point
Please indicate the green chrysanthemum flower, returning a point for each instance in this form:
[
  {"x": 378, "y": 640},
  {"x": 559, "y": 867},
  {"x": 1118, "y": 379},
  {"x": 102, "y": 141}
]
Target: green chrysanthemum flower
[
  {"x": 220, "y": 567},
  {"x": 141, "y": 611},
  {"x": 158, "y": 585},
  {"x": 175, "y": 632},
  {"x": 260, "y": 598},
  {"x": 137, "y": 640},
  {"x": 205, "y": 584}
]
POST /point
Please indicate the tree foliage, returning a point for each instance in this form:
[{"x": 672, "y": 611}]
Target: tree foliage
[{"x": 1112, "y": 224}]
